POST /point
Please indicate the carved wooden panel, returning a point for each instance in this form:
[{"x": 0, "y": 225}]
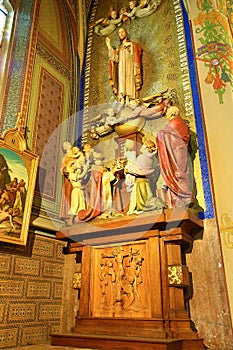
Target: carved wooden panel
[{"x": 120, "y": 281}]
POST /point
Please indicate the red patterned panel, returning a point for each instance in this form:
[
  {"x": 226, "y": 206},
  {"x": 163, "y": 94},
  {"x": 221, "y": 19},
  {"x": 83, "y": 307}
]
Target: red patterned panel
[{"x": 49, "y": 116}]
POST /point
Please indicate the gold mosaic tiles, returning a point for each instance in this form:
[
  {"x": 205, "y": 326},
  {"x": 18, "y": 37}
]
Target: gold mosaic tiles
[
  {"x": 5, "y": 264},
  {"x": 52, "y": 269},
  {"x": 34, "y": 334},
  {"x": 35, "y": 290},
  {"x": 31, "y": 284},
  {"x": 21, "y": 312},
  {"x": 27, "y": 266},
  {"x": 8, "y": 337},
  {"x": 11, "y": 288}
]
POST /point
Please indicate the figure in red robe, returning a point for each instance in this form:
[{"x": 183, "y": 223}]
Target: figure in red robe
[
  {"x": 125, "y": 70},
  {"x": 95, "y": 203},
  {"x": 174, "y": 159}
]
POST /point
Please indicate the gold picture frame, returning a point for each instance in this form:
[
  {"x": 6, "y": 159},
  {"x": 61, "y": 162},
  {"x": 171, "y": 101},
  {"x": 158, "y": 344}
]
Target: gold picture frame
[{"x": 18, "y": 171}]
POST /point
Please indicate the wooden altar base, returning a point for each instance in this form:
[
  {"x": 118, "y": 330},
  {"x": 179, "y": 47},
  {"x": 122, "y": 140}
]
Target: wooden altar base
[
  {"x": 133, "y": 282},
  {"x": 106, "y": 342}
]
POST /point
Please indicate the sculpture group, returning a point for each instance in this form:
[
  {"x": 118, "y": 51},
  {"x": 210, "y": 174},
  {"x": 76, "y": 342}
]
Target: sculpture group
[
  {"x": 123, "y": 16},
  {"x": 93, "y": 187}
]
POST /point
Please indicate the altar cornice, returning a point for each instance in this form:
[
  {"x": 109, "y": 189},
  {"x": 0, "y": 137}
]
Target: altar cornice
[{"x": 133, "y": 227}]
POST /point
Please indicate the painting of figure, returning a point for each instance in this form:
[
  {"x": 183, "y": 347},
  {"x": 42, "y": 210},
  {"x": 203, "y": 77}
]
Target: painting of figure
[
  {"x": 18, "y": 171},
  {"x": 13, "y": 192}
]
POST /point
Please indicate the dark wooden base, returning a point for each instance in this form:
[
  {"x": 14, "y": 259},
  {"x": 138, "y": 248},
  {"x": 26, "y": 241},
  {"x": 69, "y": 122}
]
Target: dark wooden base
[{"x": 106, "y": 342}]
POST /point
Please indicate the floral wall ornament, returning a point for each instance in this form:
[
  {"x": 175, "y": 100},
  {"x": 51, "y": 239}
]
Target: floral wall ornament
[
  {"x": 214, "y": 33},
  {"x": 226, "y": 229}
]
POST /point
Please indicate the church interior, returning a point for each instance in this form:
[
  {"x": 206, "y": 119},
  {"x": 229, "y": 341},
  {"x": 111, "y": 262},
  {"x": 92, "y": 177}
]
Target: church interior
[{"x": 116, "y": 219}]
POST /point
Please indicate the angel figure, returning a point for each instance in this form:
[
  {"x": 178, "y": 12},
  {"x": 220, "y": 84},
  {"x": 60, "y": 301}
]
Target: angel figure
[
  {"x": 107, "y": 26},
  {"x": 144, "y": 9}
]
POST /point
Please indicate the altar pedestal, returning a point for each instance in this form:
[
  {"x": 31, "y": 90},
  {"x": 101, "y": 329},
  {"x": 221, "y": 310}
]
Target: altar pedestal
[{"x": 133, "y": 286}]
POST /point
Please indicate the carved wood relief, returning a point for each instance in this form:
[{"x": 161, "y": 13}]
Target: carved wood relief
[{"x": 120, "y": 283}]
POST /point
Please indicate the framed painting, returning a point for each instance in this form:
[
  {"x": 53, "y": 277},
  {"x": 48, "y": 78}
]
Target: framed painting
[{"x": 18, "y": 170}]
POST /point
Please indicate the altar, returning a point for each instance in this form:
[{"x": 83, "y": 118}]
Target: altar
[
  {"x": 129, "y": 196},
  {"x": 135, "y": 283}
]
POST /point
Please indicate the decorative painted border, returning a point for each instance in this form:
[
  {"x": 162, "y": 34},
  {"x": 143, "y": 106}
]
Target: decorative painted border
[
  {"x": 85, "y": 80},
  {"x": 18, "y": 64},
  {"x": 52, "y": 60},
  {"x": 213, "y": 28},
  {"x": 209, "y": 213},
  {"x": 26, "y": 83},
  {"x": 226, "y": 229}
]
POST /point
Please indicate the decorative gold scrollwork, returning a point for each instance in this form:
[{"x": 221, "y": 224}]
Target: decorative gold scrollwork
[
  {"x": 77, "y": 279},
  {"x": 226, "y": 230},
  {"x": 175, "y": 274}
]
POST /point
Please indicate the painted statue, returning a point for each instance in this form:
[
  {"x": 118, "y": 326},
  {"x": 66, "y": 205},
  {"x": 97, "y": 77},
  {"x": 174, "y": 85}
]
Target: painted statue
[
  {"x": 144, "y": 9},
  {"x": 67, "y": 187},
  {"x": 144, "y": 170},
  {"x": 75, "y": 175},
  {"x": 95, "y": 203},
  {"x": 123, "y": 16},
  {"x": 107, "y": 178},
  {"x": 129, "y": 118},
  {"x": 106, "y": 26},
  {"x": 72, "y": 160},
  {"x": 104, "y": 123},
  {"x": 125, "y": 70},
  {"x": 174, "y": 160},
  {"x": 130, "y": 155}
]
